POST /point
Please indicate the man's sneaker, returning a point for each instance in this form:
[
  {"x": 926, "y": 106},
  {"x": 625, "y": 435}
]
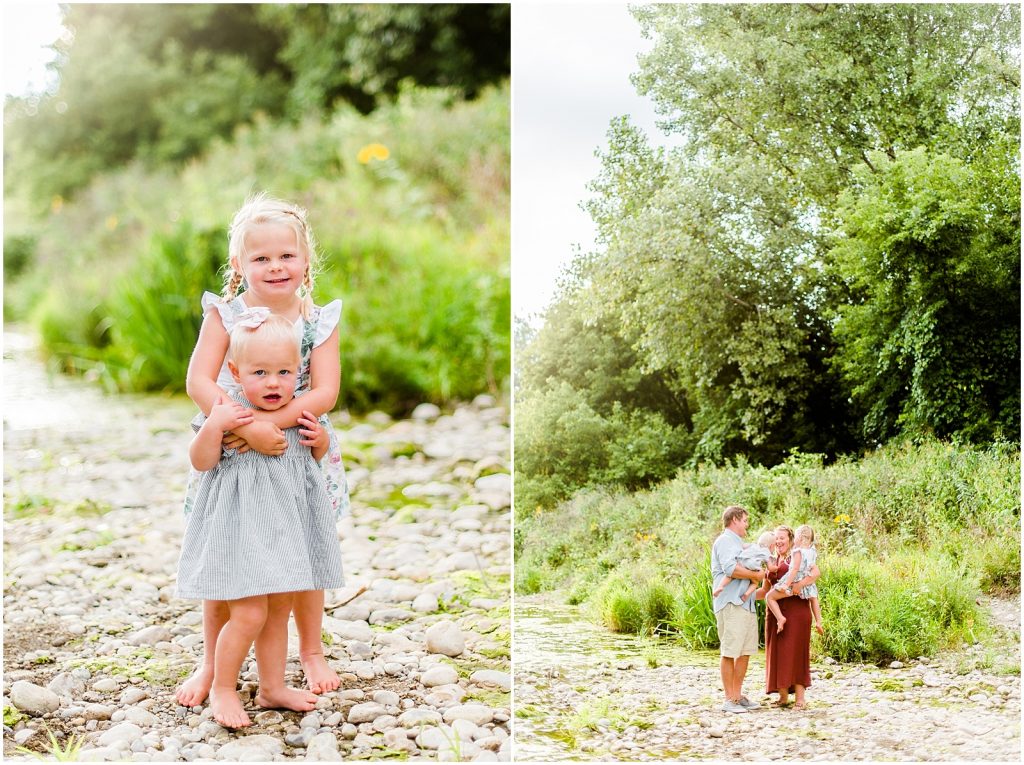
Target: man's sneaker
[
  {"x": 748, "y": 704},
  {"x": 732, "y": 706}
]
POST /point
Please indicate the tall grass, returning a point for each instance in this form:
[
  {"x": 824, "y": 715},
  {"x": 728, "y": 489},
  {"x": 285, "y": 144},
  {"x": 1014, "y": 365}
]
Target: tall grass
[
  {"x": 908, "y": 536},
  {"x": 417, "y": 247}
]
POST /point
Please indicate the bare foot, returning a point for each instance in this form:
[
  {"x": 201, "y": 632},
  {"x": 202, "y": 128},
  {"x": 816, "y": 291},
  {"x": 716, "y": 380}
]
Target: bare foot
[
  {"x": 716, "y": 593},
  {"x": 195, "y": 690},
  {"x": 782, "y": 623},
  {"x": 800, "y": 705},
  {"x": 819, "y": 628},
  {"x": 227, "y": 708},
  {"x": 287, "y": 698},
  {"x": 319, "y": 676}
]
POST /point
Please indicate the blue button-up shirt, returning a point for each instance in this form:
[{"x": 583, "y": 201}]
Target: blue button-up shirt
[{"x": 724, "y": 553}]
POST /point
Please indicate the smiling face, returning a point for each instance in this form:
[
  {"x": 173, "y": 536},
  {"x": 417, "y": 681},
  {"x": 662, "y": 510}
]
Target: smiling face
[
  {"x": 782, "y": 542},
  {"x": 273, "y": 261},
  {"x": 739, "y": 525},
  {"x": 267, "y": 372}
]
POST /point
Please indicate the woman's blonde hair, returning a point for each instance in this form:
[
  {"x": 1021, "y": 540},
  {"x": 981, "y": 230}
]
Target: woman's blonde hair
[
  {"x": 258, "y": 210},
  {"x": 789, "y": 533},
  {"x": 274, "y": 328}
]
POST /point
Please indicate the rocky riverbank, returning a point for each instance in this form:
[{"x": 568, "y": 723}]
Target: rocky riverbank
[
  {"x": 95, "y": 641},
  {"x": 610, "y": 697}
]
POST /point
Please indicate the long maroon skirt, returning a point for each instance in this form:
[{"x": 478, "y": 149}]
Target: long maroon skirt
[{"x": 787, "y": 654}]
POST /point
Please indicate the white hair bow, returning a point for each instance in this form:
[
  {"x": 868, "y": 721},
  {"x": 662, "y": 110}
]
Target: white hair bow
[{"x": 251, "y": 318}]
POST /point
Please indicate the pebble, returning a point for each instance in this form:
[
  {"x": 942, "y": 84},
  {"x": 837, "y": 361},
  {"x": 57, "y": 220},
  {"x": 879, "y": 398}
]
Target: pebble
[
  {"x": 125, "y": 732},
  {"x": 366, "y": 712},
  {"x": 254, "y": 748},
  {"x": 323, "y": 748},
  {"x": 441, "y": 674}
]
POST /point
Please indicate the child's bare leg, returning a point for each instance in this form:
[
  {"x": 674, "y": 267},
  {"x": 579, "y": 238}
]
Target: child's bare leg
[
  {"x": 721, "y": 587},
  {"x": 309, "y": 616},
  {"x": 750, "y": 591},
  {"x": 248, "y": 616},
  {"x": 195, "y": 690},
  {"x": 772, "y": 600},
  {"x": 816, "y": 611},
  {"x": 271, "y": 656}
]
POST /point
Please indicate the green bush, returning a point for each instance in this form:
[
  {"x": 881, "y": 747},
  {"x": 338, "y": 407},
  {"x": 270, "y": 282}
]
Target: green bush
[
  {"x": 999, "y": 562},
  {"x": 634, "y": 601}
]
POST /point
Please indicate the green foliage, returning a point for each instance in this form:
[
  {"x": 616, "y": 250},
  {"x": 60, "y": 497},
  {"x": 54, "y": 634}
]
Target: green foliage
[
  {"x": 930, "y": 342},
  {"x": 164, "y": 82},
  {"x": 905, "y": 535},
  {"x": 12, "y": 715},
  {"x": 734, "y": 294},
  {"x": 417, "y": 247},
  {"x": 55, "y": 750}
]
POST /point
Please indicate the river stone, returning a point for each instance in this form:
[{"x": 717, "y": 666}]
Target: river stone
[
  {"x": 387, "y": 698},
  {"x": 485, "y": 756},
  {"x": 426, "y": 411},
  {"x": 492, "y": 677},
  {"x": 367, "y": 712},
  {"x": 434, "y": 737},
  {"x": 142, "y": 717},
  {"x": 349, "y": 630},
  {"x": 390, "y": 616},
  {"x": 323, "y": 748},
  {"x": 398, "y": 738},
  {"x": 301, "y": 738},
  {"x": 66, "y": 684},
  {"x": 33, "y": 699},
  {"x": 258, "y": 748},
  {"x": 97, "y": 712},
  {"x": 125, "y": 732},
  {"x": 133, "y": 695},
  {"x": 411, "y": 718},
  {"x": 476, "y": 713},
  {"x": 268, "y": 717},
  {"x": 106, "y": 685},
  {"x": 151, "y": 635},
  {"x": 442, "y": 674},
  {"x": 445, "y": 638},
  {"x": 425, "y": 603}
]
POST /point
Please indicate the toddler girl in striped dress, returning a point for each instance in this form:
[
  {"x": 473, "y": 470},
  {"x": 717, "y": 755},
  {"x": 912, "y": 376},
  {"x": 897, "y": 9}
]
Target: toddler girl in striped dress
[{"x": 261, "y": 527}]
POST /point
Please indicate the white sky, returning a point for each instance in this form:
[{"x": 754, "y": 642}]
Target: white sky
[
  {"x": 571, "y": 64},
  {"x": 27, "y": 28}
]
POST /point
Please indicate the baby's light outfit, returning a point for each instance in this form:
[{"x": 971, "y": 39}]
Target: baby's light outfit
[
  {"x": 313, "y": 332},
  {"x": 259, "y": 525},
  {"x": 754, "y": 557}
]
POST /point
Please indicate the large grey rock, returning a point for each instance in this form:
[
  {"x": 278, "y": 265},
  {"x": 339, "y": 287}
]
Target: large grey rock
[
  {"x": 475, "y": 713},
  {"x": 33, "y": 699},
  {"x": 412, "y": 718},
  {"x": 66, "y": 684},
  {"x": 446, "y": 638}
]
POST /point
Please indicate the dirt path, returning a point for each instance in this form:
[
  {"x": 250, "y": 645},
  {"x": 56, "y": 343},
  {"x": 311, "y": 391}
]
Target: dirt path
[{"x": 606, "y": 697}]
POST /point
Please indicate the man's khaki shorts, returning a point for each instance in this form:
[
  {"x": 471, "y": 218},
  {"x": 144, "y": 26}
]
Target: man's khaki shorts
[{"x": 737, "y": 631}]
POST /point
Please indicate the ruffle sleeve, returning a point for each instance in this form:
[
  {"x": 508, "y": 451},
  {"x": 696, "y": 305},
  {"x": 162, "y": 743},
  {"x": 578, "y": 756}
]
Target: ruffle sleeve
[
  {"x": 212, "y": 302},
  {"x": 330, "y": 315},
  {"x": 197, "y": 422}
]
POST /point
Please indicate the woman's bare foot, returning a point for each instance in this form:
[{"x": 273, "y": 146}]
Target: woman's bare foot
[
  {"x": 227, "y": 708},
  {"x": 287, "y": 698},
  {"x": 195, "y": 690},
  {"x": 800, "y": 705},
  {"x": 782, "y": 623},
  {"x": 319, "y": 676}
]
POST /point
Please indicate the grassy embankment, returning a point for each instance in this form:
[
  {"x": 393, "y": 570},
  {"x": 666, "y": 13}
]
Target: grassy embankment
[
  {"x": 909, "y": 537},
  {"x": 414, "y": 240}
]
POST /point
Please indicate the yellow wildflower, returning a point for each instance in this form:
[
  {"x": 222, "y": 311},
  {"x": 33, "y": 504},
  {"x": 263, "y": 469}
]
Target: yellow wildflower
[
  {"x": 111, "y": 222},
  {"x": 373, "y": 151}
]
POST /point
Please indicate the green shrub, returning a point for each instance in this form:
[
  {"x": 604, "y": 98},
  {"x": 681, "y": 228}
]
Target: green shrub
[
  {"x": 693, "y": 618},
  {"x": 1000, "y": 566},
  {"x": 635, "y": 602}
]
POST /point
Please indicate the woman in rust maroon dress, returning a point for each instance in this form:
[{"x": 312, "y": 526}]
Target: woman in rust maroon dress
[{"x": 787, "y": 654}]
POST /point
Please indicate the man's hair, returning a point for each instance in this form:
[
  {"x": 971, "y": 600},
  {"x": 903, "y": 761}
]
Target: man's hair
[{"x": 732, "y": 512}]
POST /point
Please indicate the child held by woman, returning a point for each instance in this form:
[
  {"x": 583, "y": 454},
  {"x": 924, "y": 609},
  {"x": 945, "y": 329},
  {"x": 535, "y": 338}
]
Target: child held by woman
[{"x": 805, "y": 558}]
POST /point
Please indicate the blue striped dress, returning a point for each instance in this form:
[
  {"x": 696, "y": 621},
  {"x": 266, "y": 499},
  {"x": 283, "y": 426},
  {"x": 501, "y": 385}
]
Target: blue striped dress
[{"x": 259, "y": 525}]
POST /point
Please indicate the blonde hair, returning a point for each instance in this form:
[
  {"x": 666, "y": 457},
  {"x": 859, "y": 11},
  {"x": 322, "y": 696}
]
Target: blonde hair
[
  {"x": 767, "y": 539},
  {"x": 806, "y": 531},
  {"x": 789, "y": 533},
  {"x": 260, "y": 209},
  {"x": 274, "y": 328}
]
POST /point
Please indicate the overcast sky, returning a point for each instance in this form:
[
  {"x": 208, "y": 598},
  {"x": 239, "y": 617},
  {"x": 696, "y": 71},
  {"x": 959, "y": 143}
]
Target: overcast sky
[
  {"x": 27, "y": 28},
  {"x": 571, "y": 64}
]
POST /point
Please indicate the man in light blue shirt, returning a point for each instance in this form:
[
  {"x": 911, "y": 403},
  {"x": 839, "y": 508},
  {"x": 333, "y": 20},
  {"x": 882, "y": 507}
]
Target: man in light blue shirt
[{"x": 736, "y": 618}]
